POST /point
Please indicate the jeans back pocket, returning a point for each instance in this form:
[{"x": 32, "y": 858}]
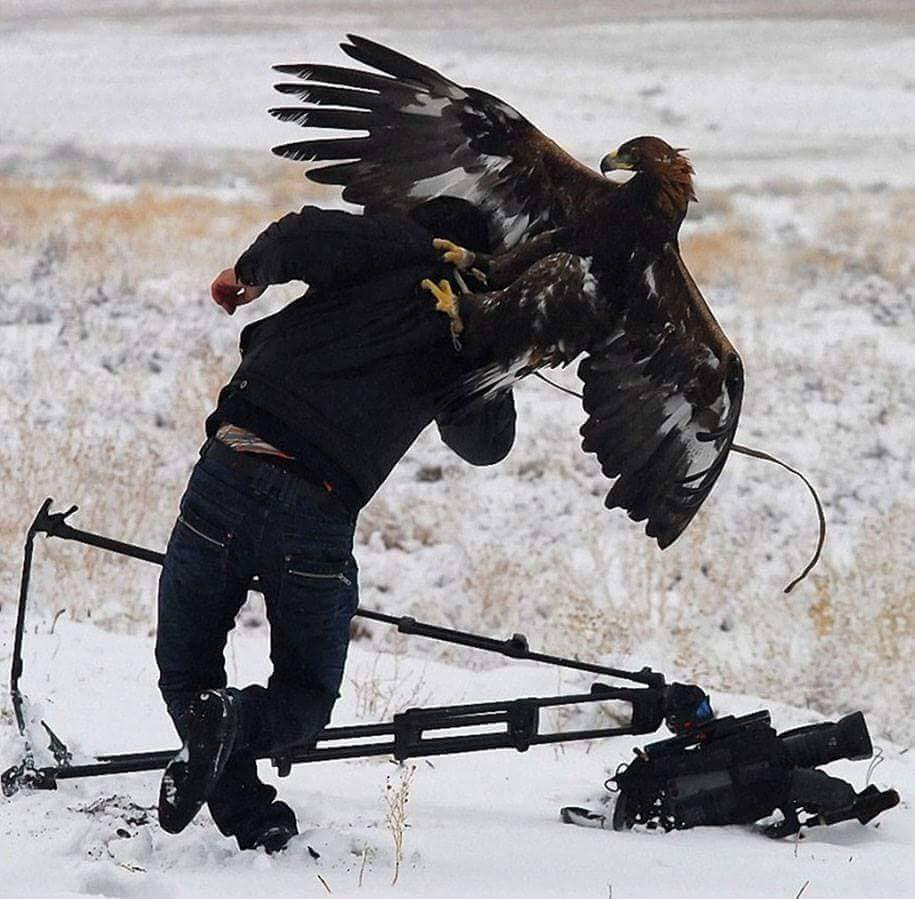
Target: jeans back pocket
[
  {"x": 323, "y": 590},
  {"x": 198, "y": 549},
  {"x": 202, "y": 529},
  {"x": 321, "y": 574}
]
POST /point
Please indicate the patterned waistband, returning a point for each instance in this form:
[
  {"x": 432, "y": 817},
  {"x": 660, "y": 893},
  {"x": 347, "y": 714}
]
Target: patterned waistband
[
  {"x": 266, "y": 470},
  {"x": 243, "y": 441}
]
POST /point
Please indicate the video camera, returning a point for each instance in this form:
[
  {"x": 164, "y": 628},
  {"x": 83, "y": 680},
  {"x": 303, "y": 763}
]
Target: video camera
[{"x": 738, "y": 770}]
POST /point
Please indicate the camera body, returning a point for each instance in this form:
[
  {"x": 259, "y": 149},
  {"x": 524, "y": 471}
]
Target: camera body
[{"x": 737, "y": 770}]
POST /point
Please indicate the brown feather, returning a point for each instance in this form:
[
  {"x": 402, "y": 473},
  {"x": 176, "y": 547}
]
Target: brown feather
[
  {"x": 675, "y": 186},
  {"x": 667, "y": 172}
]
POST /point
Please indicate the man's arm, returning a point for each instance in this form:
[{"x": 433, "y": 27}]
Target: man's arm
[
  {"x": 483, "y": 434},
  {"x": 328, "y": 247},
  {"x": 323, "y": 248}
]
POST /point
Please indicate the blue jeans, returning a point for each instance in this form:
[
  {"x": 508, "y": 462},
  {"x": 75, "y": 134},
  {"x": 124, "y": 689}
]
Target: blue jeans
[{"x": 242, "y": 517}]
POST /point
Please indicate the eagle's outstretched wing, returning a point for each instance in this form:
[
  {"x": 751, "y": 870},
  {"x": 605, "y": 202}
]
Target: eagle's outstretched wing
[
  {"x": 427, "y": 136},
  {"x": 663, "y": 397}
]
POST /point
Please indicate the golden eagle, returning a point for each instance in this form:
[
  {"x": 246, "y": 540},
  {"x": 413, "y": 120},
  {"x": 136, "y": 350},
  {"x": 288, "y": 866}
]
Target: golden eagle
[{"x": 583, "y": 264}]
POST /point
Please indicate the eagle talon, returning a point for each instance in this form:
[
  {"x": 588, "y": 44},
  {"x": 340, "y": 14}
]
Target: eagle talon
[
  {"x": 454, "y": 254},
  {"x": 445, "y": 301}
]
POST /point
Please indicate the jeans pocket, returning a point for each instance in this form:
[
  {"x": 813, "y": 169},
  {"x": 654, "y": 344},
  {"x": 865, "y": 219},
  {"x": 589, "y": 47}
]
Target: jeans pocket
[
  {"x": 199, "y": 547},
  {"x": 323, "y": 590},
  {"x": 202, "y": 528},
  {"x": 323, "y": 574},
  {"x": 318, "y": 597}
]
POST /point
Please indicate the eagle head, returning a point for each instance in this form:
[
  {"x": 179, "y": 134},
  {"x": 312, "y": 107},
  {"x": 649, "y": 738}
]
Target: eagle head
[{"x": 658, "y": 159}]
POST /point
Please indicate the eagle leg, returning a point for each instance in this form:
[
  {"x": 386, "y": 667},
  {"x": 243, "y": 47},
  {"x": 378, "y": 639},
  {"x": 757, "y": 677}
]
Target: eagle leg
[
  {"x": 445, "y": 301},
  {"x": 460, "y": 257}
]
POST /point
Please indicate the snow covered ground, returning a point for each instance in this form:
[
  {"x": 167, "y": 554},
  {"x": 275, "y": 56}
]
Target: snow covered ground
[
  {"x": 485, "y": 824},
  {"x": 134, "y": 165}
]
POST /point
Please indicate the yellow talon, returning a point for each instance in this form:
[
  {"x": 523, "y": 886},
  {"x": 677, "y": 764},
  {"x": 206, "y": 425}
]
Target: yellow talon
[
  {"x": 445, "y": 301},
  {"x": 454, "y": 254}
]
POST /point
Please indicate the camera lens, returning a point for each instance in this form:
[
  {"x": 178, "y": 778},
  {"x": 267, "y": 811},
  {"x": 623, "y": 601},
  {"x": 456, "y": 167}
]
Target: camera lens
[{"x": 819, "y": 744}]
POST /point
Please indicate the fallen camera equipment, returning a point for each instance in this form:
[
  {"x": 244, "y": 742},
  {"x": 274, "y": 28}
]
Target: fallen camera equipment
[
  {"x": 739, "y": 771},
  {"x": 713, "y": 771}
]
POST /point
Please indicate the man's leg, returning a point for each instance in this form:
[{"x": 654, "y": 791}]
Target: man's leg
[
  {"x": 310, "y": 629},
  {"x": 201, "y": 589},
  {"x": 246, "y": 808},
  {"x": 203, "y": 584},
  {"x": 311, "y": 596}
]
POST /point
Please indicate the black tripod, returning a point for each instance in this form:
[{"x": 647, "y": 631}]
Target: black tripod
[{"x": 407, "y": 735}]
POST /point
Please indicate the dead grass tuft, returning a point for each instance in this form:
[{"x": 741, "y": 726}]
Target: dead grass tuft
[
  {"x": 723, "y": 257},
  {"x": 144, "y": 228},
  {"x": 877, "y": 238}
]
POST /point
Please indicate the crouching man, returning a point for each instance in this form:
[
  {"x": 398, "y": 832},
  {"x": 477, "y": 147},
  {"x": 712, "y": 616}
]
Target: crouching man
[{"x": 331, "y": 392}]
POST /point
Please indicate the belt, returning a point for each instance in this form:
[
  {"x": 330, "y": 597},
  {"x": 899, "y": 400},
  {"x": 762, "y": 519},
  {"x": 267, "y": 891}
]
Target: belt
[{"x": 252, "y": 464}]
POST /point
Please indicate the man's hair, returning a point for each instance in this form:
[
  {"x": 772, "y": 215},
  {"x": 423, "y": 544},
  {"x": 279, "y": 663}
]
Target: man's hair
[{"x": 456, "y": 220}]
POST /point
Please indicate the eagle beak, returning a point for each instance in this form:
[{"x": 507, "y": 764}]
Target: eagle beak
[{"x": 613, "y": 162}]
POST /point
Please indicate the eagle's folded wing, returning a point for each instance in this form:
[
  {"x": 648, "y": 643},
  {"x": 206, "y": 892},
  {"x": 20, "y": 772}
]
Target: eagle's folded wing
[
  {"x": 427, "y": 136},
  {"x": 663, "y": 397}
]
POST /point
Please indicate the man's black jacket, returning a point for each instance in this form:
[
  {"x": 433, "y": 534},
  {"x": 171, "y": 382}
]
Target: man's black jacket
[{"x": 345, "y": 377}]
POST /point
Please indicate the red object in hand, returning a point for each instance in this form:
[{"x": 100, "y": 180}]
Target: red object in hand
[{"x": 228, "y": 293}]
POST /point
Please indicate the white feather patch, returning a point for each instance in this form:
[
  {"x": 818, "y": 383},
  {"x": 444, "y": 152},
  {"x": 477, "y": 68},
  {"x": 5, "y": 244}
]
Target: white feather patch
[
  {"x": 427, "y": 105},
  {"x": 648, "y": 277}
]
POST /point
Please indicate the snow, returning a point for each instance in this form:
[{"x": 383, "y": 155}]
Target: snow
[
  {"x": 801, "y": 124},
  {"x": 485, "y": 824}
]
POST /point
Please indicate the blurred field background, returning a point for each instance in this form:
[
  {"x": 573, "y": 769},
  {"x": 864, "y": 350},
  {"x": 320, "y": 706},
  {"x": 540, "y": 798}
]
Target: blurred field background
[{"x": 135, "y": 164}]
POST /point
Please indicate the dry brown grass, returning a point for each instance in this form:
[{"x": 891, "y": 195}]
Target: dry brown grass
[
  {"x": 153, "y": 229},
  {"x": 845, "y": 632},
  {"x": 386, "y": 687},
  {"x": 121, "y": 441},
  {"x": 879, "y": 238},
  {"x": 717, "y": 258},
  {"x": 862, "y": 232},
  {"x": 422, "y": 527}
]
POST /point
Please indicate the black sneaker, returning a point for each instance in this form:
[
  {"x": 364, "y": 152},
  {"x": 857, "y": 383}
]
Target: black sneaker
[
  {"x": 274, "y": 838},
  {"x": 191, "y": 775},
  {"x": 269, "y": 829}
]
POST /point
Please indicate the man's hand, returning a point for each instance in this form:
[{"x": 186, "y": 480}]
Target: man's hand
[{"x": 230, "y": 294}]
